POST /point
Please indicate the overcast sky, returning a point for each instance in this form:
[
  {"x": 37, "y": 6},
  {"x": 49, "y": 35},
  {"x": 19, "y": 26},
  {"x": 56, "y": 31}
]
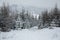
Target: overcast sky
[{"x": 34, "y": 3}]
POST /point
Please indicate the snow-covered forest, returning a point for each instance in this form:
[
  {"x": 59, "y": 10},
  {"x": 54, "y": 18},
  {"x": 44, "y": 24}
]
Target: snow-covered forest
[
  {"x": 25, "y": 25},
  {"x": 14, "y": 20}
]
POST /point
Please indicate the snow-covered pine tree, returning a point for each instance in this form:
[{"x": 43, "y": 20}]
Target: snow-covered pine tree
[{"x": 6, "y": 21}]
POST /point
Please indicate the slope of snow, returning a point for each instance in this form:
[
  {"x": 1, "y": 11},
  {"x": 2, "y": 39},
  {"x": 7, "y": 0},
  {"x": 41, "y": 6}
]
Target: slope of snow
[{"x": 25, "y": 34}]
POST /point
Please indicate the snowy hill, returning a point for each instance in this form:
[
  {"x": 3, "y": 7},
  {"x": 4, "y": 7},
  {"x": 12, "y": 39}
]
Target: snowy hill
[
  {"x": 25, "y": 34},
  {"x": 30, "y": 9}
]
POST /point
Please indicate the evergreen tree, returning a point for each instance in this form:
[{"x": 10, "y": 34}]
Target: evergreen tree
[{"x": 6, "y": 21}]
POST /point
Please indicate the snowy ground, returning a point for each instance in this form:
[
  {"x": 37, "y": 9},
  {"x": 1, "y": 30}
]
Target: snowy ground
[{"x": 25, "y": 34}]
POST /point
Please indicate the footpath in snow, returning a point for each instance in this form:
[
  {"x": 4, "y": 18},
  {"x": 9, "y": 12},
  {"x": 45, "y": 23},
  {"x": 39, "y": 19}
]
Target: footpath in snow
[{"x": 30, "y": 34}]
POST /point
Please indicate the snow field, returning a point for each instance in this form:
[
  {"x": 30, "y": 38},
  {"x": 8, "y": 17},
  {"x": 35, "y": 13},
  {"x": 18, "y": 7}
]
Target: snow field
[{"x": 27, "y": 34}]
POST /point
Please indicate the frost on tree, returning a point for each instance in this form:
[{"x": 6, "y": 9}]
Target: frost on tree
[{"x": 22, "y": 21}]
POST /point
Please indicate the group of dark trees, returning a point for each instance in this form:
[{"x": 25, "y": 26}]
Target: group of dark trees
[
  {"x": 27, "y": 20},
  {"x": 51, "y": 18}
]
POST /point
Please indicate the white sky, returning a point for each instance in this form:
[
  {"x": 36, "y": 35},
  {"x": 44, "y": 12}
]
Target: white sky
[{"x": 34, "y": 3}]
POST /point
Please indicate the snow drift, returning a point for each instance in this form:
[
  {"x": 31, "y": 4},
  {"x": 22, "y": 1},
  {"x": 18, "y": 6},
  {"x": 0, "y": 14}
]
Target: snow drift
[{"x": 28, "y": 34}]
